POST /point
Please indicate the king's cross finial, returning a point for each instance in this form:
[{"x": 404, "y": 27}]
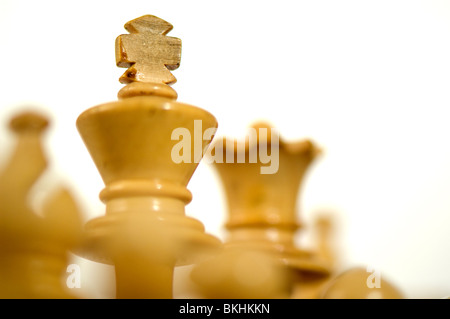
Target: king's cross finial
[{"x": 147, "y": 52}]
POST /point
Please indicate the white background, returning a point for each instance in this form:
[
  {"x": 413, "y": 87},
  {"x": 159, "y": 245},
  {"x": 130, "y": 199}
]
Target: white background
[{"x": 368, "y": 81}]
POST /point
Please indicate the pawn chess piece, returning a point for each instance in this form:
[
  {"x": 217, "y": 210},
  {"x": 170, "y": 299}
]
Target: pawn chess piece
[
  {"x": 33, "y": 247},
  {"x": 262, "y": 179},
  {"x": 146, "y": 149}
]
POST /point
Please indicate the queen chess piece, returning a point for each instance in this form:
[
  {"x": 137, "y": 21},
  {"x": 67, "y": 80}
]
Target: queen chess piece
[{"x": 262, "y": 179}]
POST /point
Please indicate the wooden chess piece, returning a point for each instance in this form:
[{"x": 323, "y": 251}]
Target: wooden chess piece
[
  {"x": 33, "y": 247},
  {"x": 358, "y": 283},
  {"x": 262, "y": 179},
  {"x": 146, "y": 147},
  {"x": 310, "y": 285},
  {"x": 241, "y": 273},
  {"x": 324, "y": 228}
]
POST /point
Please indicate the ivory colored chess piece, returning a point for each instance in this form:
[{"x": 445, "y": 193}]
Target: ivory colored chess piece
[
  {"x": 262, "y": 180},
  {"x": 358, "y": 283},
  {"x": 146, "y": 147},
  {"x": 237, "y": 273},
  {"x": 309, "y": 285},
  {"x": 33, "y": 247},
  {"x": 324, "y": 228}
]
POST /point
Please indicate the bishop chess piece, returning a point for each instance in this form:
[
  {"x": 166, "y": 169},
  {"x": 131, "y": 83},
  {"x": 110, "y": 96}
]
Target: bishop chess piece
[
  {"x": 34, "y": 243},
  {"x": 135, "y": 144}
]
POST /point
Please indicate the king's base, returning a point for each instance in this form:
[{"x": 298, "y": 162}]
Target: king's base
[{"x": 145, "y": 245}]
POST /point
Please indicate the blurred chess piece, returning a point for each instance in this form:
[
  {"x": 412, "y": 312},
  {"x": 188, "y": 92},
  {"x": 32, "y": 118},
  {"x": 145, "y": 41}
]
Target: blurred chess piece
[
  {"x": 310, "y": 286},
  {"x": 34, "y": 245},
  {"x": 358, "y": 283},
  {"x": 323, "y": 225},
  {"x": 241, "y": 274},
  {"x": 262, "y": 179},
  {"x": 146, "y": 147}
]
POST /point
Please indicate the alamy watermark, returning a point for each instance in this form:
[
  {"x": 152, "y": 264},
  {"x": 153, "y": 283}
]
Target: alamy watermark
[
  {"x": 181, "y": 151},
  {"x": 374, "y": 279},
  {"x": 74, "y": 279}
]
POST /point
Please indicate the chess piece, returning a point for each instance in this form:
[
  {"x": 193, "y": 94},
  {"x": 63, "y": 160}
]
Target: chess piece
[
  {"x": 135, "y": 144},
  {"x": 358, "y": 283},
  {"x": 241, "y": 273},
  {"x": 33, "y": 247},
  {"x": 310, "y": 285},
  {"x": 323, "y": 226},
  {"x": 262, "y": 192}
]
